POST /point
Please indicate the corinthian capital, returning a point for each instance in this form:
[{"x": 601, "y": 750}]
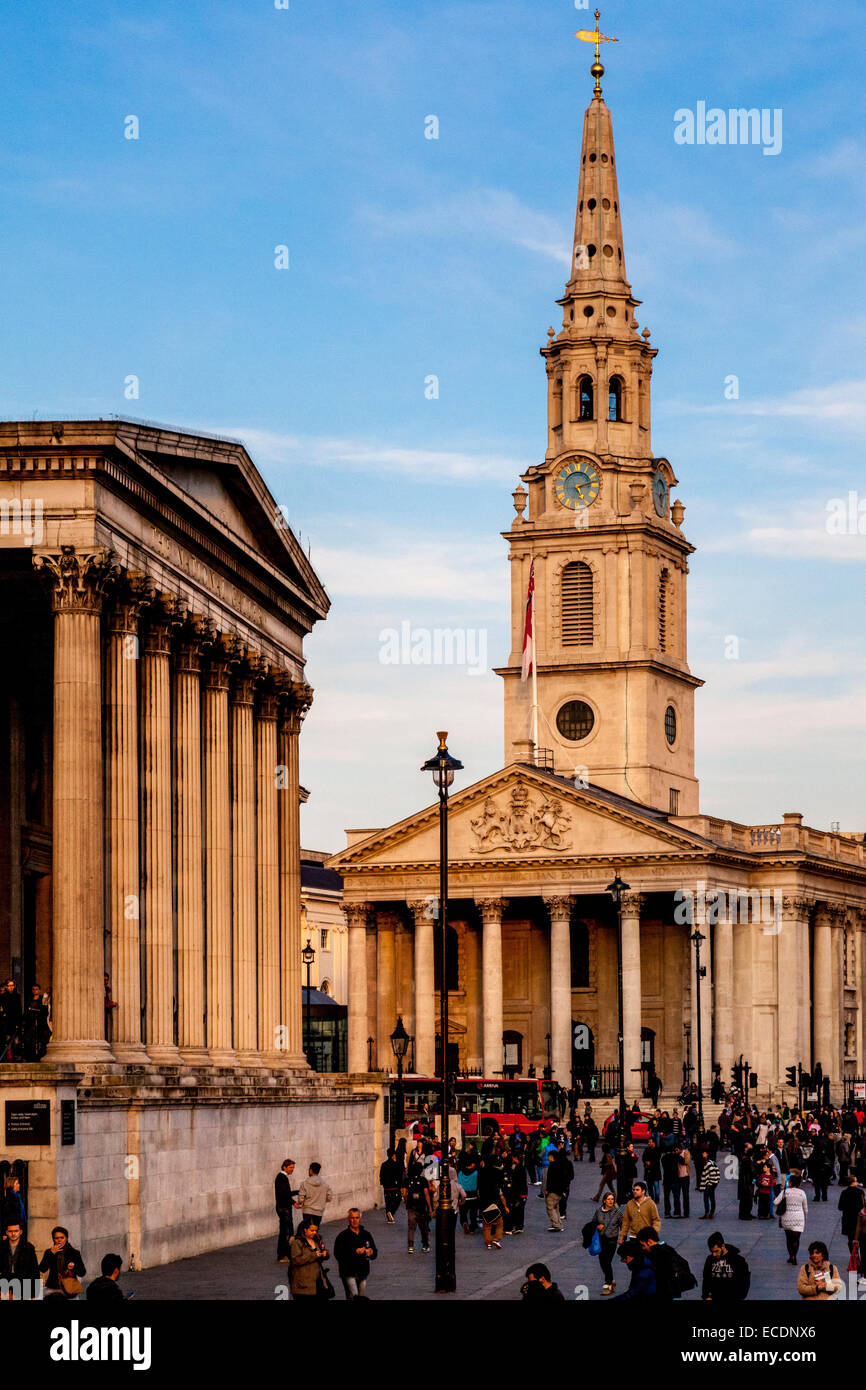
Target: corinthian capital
[
  {"x": 356, "y": 914},
  {"x": 78, "y": 578},
  {"x": 296, "y": 698},
  {"x": 559, "y": 906},
  {"x": 796, "y": 907},
  {"x": 490, "y": 910},
  {"x": 632, "y": 904}
]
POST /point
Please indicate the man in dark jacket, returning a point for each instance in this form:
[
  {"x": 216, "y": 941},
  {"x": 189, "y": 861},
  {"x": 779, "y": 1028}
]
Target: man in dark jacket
[
  {"x": 106, "y": 1289},
  {"x": 390, "y": 1179},
  {"x": 558, "y": 1183},
  {"x": 284, "y": 1199},
  {"x": 10, "y": 1022},
  {"x": 17, "y": 1256},
  {"x": 671, "y": 1180},
  {"x": 354, "y": 1248},
  {"x": 673, "y": 1276},
  {"x": 515, "y": 1195},
  {"x": 539, "y": 1288},
  {"x": 568, "y": 1178},
  {"x": 726, "y": 1274}
]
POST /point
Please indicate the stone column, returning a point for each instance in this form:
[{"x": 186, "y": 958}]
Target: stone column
[
  {"x": 792, "y": 985},
  {"x": 743, "y": 1007},
  {"x": 191, "y": 1030},
  {"x": 122, "y": 819},
  {"x": 560, "y": 987},
  {"x": 77, "y": 580},
  {"x": 631, "y": 994},
  {"x": 158, "y": 888},
  {"x": 295, "y": 701},
  {"x": 825, "y": 1015},
  {"x": 723, "y": 993},
  {"x": 386, "y": 973},
  {"x": 244, "y": 864},
  {"x": 356, "y": 915},
  {"x": 491, "y": 982},
  {"x": 218, "y": 849},
  {"x": 425, "y": 1003},
  {"x": 268, "y": 874}
]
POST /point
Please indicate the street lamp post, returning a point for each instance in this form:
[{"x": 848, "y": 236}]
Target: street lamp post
[
  {"x": 548, "y": 1070},
  {"x": 697, "y": 937},
  {"x": 443, "y": 767},
  {"x": 308, "y": 955},
  {"x": 616, "y": 890},
  {"x": 399, "y": 1044}
]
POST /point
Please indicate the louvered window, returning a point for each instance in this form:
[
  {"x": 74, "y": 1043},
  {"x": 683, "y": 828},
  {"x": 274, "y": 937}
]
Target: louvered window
[
  {"x": 665, "y": 617},
  {"x": 577, "y": 605}
]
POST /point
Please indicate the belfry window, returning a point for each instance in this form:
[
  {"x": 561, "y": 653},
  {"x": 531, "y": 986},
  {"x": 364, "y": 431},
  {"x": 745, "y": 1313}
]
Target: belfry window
[
  {"x": 578, "y": 617},
  {"x": 614, "y": 399},
  {"x": 584, "y": 396}
]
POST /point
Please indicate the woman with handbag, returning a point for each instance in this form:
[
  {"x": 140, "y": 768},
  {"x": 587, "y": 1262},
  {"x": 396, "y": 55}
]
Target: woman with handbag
[
  {"x": 792, "y": 1208},
  {"x": 307, "y": 1252},
  {"x": 63, "y": 1265},
  {"x": 851, "y": 1203},
  {"x": 607, "y": 1219}
]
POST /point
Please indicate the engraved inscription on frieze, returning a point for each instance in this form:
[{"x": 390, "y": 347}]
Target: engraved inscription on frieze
[{"x": 523, "y": 822}]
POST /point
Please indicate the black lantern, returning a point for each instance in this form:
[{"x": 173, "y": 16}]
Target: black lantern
[
  {"x": 399, "y": 1047},
  {"x": 308, "y": 956}
]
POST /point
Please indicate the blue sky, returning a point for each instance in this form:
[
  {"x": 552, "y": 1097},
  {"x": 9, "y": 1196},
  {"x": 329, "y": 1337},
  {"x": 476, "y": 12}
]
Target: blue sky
[{"x": 411, "y": 257}]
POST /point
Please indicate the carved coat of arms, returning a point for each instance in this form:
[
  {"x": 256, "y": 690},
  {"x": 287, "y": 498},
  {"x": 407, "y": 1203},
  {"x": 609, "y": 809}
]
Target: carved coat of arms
[{"x": 523, "y": 823}]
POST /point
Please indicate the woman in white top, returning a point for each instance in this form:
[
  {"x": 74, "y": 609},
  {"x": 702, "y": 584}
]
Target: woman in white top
[{"x": 794, "y": 1215}]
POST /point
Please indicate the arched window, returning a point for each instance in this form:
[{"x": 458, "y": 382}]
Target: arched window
[
  {"x": 578, "y": 619},
  {"x": 579, "y": 955},
  {"x": 614, "y": 398},
  {"x": 584, "y": 396},
  {"x": 665, "y": 613},
  {"x": 453, "y": 971}
]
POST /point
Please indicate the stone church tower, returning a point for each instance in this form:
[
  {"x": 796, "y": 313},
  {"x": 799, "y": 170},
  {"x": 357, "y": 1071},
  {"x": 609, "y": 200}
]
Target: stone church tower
[{"x": 614, "y": 690}]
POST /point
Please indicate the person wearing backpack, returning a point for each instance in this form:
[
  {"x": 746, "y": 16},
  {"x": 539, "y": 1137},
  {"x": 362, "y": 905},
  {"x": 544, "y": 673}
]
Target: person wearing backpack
[
  {"x": 419, "y": 1208},
  {"x": 726, "y": 1277},
  {"x": 673, "y": 1275}
]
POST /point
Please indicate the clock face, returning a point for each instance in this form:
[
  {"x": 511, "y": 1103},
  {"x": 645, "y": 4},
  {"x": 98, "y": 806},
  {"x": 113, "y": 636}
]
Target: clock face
[
  {"x": 661, "y": 493},
  {"x": 577, "y": 484}
]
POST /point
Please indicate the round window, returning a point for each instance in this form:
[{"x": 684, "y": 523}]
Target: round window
[
  {"x": 575, "y": 720},
  {"x": 671, "y": 725}
]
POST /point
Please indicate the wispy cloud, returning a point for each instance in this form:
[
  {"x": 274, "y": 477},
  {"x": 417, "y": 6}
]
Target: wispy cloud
[
  {"x": 841, "y": 406},
  {"x": 407, "y": 569},
  {"x": 270, "y": 447},
  {"x": 486, "y": 212}
]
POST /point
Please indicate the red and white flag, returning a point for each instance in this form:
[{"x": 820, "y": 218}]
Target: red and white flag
[{"x": 529, "y": 627}]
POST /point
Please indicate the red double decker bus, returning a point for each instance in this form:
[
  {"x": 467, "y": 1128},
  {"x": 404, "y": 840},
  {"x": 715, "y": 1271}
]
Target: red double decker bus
[{"x": 496, "y": 1106}]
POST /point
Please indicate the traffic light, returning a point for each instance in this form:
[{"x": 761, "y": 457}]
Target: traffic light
[
  {"x": 805, "y": 1081},
  {"x": 753, "y": 1080},
  {"x": 737, "y": 1074},
  {"x": 790, "y": 1076}
]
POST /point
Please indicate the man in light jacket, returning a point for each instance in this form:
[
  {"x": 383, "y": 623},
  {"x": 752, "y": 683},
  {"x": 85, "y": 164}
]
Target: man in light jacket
[{"x": 314, "y": 1194}]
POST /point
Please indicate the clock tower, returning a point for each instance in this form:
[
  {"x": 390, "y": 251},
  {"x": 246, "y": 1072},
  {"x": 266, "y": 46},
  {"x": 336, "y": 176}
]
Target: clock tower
[{"x": 615, "y": 697}]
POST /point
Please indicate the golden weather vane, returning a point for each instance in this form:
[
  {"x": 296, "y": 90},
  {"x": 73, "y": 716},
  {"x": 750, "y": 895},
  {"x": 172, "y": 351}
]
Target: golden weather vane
[{"x": 596, "y": 37}]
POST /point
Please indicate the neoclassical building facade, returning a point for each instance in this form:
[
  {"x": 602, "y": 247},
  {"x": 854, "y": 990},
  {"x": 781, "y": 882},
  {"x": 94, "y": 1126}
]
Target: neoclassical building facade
[
  {"x": 155, "y": 605},
  {"x": 600, "y": 778}
]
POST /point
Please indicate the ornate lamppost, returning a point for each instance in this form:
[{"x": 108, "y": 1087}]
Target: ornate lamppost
[
  {"x": 616, "y": 890},
  {"x": 443, "y": 767},
  {"x": 308, "y": 956},
  {"x": 697, "y": 937},
  {"x": 399, "y": 1044}
]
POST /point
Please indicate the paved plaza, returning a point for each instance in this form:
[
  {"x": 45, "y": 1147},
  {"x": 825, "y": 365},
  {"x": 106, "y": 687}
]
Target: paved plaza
[{"x": 251, "y": 1272}]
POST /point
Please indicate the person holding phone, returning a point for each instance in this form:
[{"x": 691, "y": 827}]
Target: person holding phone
[{"x": 818, "y": 1279}]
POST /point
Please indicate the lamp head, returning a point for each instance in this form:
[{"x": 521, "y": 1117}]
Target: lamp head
[
  {"x": 308, "y": 955},
  {"x": 442, "y": 765}
]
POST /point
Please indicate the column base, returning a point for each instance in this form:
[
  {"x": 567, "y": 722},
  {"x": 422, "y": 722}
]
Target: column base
[
  {"x": 131, "y": 1054},
  {"x": 196, "y": 1056},
  {"x": 79, "y": 1050},
  {"x": 249, "y": 1058},
  {"x": 168, "y": 1055},
  {"x": 222, "y": 1056}
]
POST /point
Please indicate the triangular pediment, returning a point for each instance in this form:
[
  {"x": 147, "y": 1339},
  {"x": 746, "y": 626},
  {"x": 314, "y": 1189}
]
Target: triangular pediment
[{"x": 521, "y": 815}]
